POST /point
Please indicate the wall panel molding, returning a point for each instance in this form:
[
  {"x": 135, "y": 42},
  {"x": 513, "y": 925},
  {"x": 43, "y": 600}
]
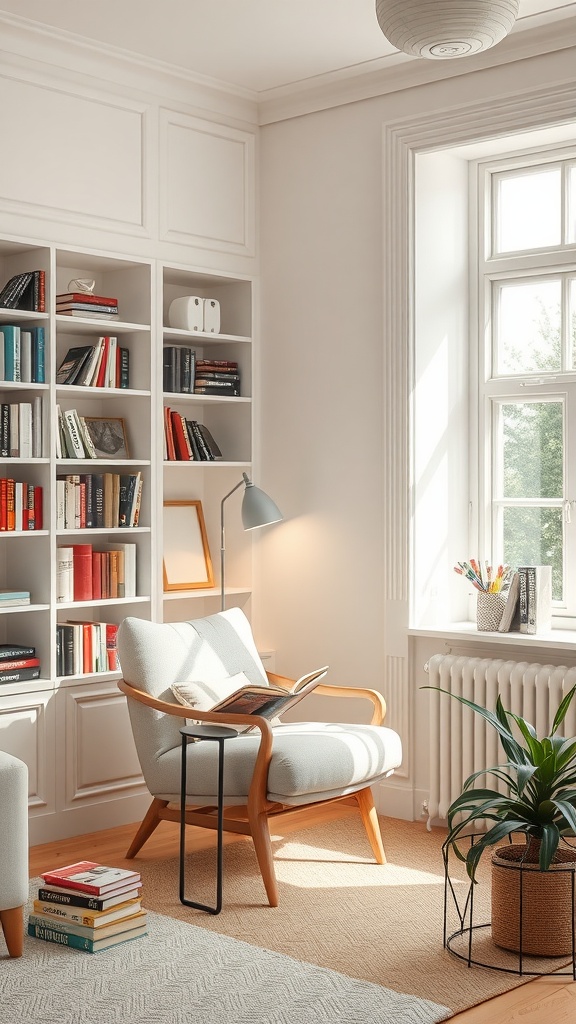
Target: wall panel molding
[{"x": 206, "y": 184}]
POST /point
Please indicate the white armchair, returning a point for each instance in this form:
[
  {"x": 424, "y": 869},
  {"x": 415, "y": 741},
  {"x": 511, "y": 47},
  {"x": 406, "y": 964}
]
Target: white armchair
[
  {"x": 269, "y": 771},
  {"x": 13, "y": 850}
]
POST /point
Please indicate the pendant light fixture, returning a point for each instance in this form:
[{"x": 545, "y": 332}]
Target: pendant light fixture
[{"x": 444, "y": 29}]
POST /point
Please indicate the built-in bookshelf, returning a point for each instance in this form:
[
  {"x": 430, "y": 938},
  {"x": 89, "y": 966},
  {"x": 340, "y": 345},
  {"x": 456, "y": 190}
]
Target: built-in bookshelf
[{"x": 73, "y": 711}]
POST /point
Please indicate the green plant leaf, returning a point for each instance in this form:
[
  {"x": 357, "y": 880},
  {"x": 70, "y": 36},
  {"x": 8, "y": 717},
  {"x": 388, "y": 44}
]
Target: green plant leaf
[
  {"x": 493, "y": 836},
  {"x": 515, "y": 753},
  {"x": 567, "y": 811},
  {"x": 562, "y": 709},
  {"x": 550, "y": 837}
]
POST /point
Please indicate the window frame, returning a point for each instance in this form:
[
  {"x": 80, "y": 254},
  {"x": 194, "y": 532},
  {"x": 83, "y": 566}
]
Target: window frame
[{"x": 487, "y": 268}]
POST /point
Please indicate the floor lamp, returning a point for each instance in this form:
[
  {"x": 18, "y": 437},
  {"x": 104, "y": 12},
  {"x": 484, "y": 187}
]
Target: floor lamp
[{"x": 258, "y": 509}]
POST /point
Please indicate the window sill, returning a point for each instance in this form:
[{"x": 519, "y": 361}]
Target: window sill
[{"x": 554, "y": 639}]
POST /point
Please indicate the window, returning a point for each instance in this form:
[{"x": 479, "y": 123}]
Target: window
[{"x": 525, "y": 282}]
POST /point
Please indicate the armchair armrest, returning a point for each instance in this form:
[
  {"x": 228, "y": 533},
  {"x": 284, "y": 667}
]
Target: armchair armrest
[
  {"x": 259, "y": 784},
  {"x": 326, "y": 690}
]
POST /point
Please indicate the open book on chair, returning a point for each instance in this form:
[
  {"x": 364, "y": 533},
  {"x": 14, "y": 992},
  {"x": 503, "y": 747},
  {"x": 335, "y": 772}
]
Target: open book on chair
[{"x": 252, "y": 699}]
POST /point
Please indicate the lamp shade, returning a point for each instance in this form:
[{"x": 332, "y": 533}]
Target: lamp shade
[
  {"x": 258, "y": 509},
  {"x": 444, "y": 29}
]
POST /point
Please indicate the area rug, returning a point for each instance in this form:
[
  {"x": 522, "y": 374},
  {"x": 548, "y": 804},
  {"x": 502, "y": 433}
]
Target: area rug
[
  {"x": 180, "y": 974},
  {"x": 340, "y": 910}
]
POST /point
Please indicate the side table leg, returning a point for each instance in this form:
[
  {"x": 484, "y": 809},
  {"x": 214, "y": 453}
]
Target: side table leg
[{"x": 220, "y": 831}]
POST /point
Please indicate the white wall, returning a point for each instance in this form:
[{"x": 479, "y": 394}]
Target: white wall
[{"x": 324, "y": 592}]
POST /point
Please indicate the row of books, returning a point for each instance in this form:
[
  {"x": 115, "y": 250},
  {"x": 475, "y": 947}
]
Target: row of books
[
  {"x": 88, "y": 906},
  {"x": 22, "y": 354},
  {"x": 21, "y": 505},
  {"x": 21, "y": 429},
  {"x": 25, "y": 291},
  {"x": 183, "y": 373},
  {"x": 102, "y": 365},
  {"x": 98, "y": 500},
  {"x": 18, "y": 663},
  {"x": 86, "y": 647},
  {"x": 84, "y": 573},
  {"x": 187, "y": 440},
  {"x": 86, "y": 304}
]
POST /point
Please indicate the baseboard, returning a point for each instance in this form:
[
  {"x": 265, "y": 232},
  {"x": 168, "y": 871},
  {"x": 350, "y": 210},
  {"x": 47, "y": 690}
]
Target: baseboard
[
  {"x": 394, "y": 799},
  {"x": 48, "y": 828}
]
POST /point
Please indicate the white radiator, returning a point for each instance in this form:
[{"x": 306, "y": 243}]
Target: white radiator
[{"x": 461, "y": 741}]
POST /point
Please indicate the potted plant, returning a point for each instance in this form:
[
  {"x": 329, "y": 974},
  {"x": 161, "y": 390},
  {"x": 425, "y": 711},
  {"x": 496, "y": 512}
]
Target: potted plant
[{"x": 537, "y": 799}]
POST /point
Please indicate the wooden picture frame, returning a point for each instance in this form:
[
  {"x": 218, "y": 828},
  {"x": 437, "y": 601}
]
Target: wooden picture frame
[
  {"x": 187, "y": 563},
  {"x": 108, "y": 435}
]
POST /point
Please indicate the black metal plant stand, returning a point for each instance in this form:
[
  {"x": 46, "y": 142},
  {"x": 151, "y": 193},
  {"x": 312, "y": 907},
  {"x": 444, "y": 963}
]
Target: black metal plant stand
[
  {"x": 464, "y": 908},
  {"x": 219, "y": 735}
]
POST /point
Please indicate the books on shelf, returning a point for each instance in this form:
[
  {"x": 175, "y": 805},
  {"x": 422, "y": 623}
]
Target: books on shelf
[
  {"x": 86, "y": 574},
  {"x": 18, "y": 663},
  {"x": 88, "y": 906},
  {"x": 217, "y": 377},
  {"x": 25, "y": 291},
  {"x": 102, "y": 365},
  {"x": 86, "y": 647},
  {"x": 178, "y": 368},
  {"x": 187, "y": 440},
  {"x": 21, "y": 429},
  {"x": 98, "y": 500},
  {"x": 22, "y": 354},
  {"x": 86, "y": 299},
  {"x": 21, "y": 505}
]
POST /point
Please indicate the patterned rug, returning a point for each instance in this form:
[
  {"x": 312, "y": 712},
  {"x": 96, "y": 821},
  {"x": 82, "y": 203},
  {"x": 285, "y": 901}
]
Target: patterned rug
[
  {"x": 339, "y": 909},
  {"x": 179, "y": 974}
]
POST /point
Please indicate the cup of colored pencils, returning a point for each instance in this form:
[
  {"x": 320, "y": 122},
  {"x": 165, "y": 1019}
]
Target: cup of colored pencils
[{"x": 491, "y": 585}]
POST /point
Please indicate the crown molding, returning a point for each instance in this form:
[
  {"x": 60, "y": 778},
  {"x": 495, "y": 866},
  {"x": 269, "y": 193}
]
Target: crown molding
[
  {"x": 398, "y": 71},
  {"x": 71, "y": 55}
]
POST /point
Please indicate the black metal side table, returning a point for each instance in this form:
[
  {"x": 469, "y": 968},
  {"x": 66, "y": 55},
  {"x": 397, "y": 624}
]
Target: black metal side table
[{"x": 217, "y": 734}]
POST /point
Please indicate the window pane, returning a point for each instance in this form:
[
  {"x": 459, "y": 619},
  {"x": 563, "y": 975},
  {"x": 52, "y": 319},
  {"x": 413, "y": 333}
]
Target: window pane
[
  {"x": 528, "y": 327},
  {"x": 529, "y": 210},
  {"x": 533, "y": 450},
  {"x": 572, "y": 204},
  {"x": 533, "y": 536},
  {"x": 572, "y": 321}
]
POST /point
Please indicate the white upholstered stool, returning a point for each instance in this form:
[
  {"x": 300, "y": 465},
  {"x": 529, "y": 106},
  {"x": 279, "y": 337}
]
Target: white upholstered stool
[{"x": 13, "y": 850}]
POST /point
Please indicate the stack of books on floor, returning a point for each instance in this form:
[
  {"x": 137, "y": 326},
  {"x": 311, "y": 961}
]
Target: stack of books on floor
[
  {"x": 101, "y": 307},
  {"x": 88, "y": 906}
]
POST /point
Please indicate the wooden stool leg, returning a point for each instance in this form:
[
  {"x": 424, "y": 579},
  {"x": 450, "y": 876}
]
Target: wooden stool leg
[{"x": 12, "y": 922}]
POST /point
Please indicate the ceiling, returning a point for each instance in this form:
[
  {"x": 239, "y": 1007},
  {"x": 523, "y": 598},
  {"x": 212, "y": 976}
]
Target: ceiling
[{"x": 250, "y": 45}]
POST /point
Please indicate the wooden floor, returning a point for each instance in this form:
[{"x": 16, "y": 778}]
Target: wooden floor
[{"x": 540, "y": 1001}]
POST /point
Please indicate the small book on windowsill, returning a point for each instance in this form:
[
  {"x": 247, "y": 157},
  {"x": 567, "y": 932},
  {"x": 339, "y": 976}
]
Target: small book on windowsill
[{"x": 248, "y": 698}]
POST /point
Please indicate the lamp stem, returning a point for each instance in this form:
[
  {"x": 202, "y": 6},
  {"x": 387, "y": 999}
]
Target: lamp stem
[{"x": 244, "y": 480}]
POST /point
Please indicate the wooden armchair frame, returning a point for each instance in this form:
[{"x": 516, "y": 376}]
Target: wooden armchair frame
[{"x": 252, "y": 819}]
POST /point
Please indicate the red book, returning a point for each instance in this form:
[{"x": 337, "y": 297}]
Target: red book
[
  {"x": 37, "y": 507},
  {"x": 3, "y": 503},
  {"x": 41, "y": 307},
  {"x": 171, "y": 451},
  {"x": 180, "y": 445},
  {"x": 86, "y": 647},
  {"x": 96, "y": 575},
  {"x": 101, "y": 378},
  {"x": 111, "y": 648},
  {"x": 88, "y": 297},
  {"x": 9, "y": 666},
  {"x": 88, "y": 876},
  {"x": 82, "y": 571},
  {"x": 10, "y": 506}
]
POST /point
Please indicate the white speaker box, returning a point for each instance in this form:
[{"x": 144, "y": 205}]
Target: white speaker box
[
  {"x": 211, "y": 316},
  {"x": 187, "y": 313}
]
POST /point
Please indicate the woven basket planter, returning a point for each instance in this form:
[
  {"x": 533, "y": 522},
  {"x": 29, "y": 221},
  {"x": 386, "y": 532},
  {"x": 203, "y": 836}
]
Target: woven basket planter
[{"x": 547, "y": 903}]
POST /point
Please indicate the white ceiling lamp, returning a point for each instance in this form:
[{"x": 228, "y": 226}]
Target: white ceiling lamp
[{"x": 443, "y": 29}]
